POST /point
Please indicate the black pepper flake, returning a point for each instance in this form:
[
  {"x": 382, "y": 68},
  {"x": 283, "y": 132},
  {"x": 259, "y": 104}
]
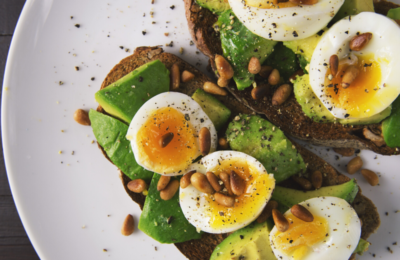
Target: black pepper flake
[
  {"x": 77, "y": 25},
  {"x": 201, "y": 120},
  {"x": 72, "y": 17},
  {"x": 221, "y": 213},
  {"x": 187, "y": 117},
  {"x": 346, "y": 32},
  {"x": 169, "y": 220},
  {"x": 92, "y": 79},
  {"x": 390, "y": 250},
  {"x": 172, "y": 7},
  {"x": 387, "y": 213},
  {"x": 191, "y": 43},
  {"x": 295, "y": 34},
  {"x": 294, "y": 14},
  {"x": 255, "y": 50},
  {"x": 367, "y": 65},
  {"x": 274, "y": 25},
  {"x": 140, "y": 79},
  {"x": 121, "y": 47},
  {"x": 346, "y": 115},
  {"x": 144, "y": 32},
  {"x": 241, "y": 236},
  {"x": 291, "y": 241}
]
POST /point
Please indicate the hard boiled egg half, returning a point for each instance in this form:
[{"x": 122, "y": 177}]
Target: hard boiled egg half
[
  {"x": 174, "y": 114},
  {"x": 333, "y": 234},
  {"x": 284, "y": 21},
  {"x": 206, "y": 214},
  {"x": 378, "y": 82}
]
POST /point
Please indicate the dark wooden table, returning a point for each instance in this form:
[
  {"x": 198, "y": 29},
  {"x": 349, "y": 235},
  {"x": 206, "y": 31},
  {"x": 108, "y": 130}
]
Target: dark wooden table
[{"x": 14, "y": 243}]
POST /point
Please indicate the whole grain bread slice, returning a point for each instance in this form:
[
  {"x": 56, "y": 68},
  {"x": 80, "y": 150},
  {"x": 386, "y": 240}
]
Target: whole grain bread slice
[
  {"x": 289, "y": 116},
  {"x": 201, "y": 249}
]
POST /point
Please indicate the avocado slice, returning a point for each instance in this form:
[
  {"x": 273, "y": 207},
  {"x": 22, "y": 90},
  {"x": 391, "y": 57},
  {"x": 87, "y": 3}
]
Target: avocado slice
[
  {"x": 215, "y": 110},
  {"x": 110, "y": 134},
  {"x": 391, "y": 126},
  {"x": 362, "y": 247},
  {"x": 284, "y": 60},
  {"x": 288, "y": 197},
  {"x": 163, "y": 220},
  {"x": 394, "y": 13},
  {"x": 215, "y": 6},
  {"x": 239, "y": 45},
  {"x": 353, "y": 7},
  {"x": 257, "y": 137},
  {"x": 251, "y": 242},
  {"x": 305, "y": 47},
  {"x": 123, "y": 98}
]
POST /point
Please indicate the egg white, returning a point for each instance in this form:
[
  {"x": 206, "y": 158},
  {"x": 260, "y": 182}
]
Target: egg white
[
  {"x": 194, "y": 204},
  {"x": 181, "y": 102},
  {"x": 344, "y": 230},
  {"x": 286, "y": 24},
  {"x": 383, "y": 46}
]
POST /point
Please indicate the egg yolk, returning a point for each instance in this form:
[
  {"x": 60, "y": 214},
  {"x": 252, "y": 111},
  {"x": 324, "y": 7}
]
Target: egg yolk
[
  {"x": 179, "y": 153},
  {"x": 269, "y": 4},
  {"x": 359, "y": 97},
  {"x": 257, "y": 191},
  {"x": 300, "y": 236}
]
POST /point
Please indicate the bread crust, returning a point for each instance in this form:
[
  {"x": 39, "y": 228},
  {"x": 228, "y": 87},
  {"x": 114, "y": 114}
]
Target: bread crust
[
  {"x": 289, "y": 116},
  {"x": 201, "y": 249}
]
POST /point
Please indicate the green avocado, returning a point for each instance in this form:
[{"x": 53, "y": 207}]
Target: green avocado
[
  {"x": 394, "y": 13},
  {"x": 239, "y": 45},
  {"x": 163, "y": 220},
  {"x": 123, "y": 98},
  {"x": 110, "y": 134},
  {"x": 353, "y": 7},
  {"x": 215, "y": 6},
  {"x": 305, "y": 47},
  {"x": 215, "y": 110},
  {"x": 288, "y": 197},
  {"x": 362, "y": 247},
  {"x": 284, "y": 60},
  {"x": 257, "y": 137},
  {"x": 391, "y": 126},
  {"x": 251, "y": 242}
]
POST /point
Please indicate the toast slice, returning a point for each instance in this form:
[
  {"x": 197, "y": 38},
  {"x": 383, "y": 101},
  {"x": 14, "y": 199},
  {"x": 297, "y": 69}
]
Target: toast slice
[
  {"x": 289, "y": 116},
  {"x": 201, "y": 249}
]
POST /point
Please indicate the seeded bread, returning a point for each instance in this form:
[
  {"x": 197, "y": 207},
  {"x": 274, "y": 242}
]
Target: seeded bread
[
  {"x": 289, "y": 116},
  {"x": 201, "y": 249}
]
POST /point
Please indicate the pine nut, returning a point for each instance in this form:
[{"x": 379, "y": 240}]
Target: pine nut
[
  {"x": 254, "y": 65},
  {"x": 370, "y": 176},
  {"x": 186, "y": 76},
  {"x": 163, "y": 182},
  {"x": 169, "y": 191},
  {"x": 225, "y": 178},
  {"x": 360, "y": 41},
  {"x": 175, "y": 77},
  {"x": 212, "y": 88},
  {"x": 222, "y": 82},
  {"x": 316, "y": 179},
  {"x": 165, "y": 139},
  {"x": 137, "y": 185},
  {"x": 265, "y": 71},
  {"x": 205, "y": 141},
  {"x": 350, "y": 74},
  {"x": 128, "y": 226},
  {"x": 376, "y": 139},
  {"x": 304, "y": 183},
  {"x": 224, "y": 200},
  {"x": 281, "y": 94},
  {"x": 81, "y": 117},
  {"x": 200, "y": 182},
  {"x": 185, "y": 180},
  {"x": 259, "y": 92},
  {"x": 267, "y": 211},
  {"x": 274, "y": 77},
  {"x": 302, "y": 213},
  {"x": 214, "y": 181},
  {"x": 223, "y": 143},
  {"x": 345, "y": 151},
  {"x": 237, "y": 184},
  {"x": 225, "y": 69},
  {"x": 281, "y": 223},
  {"x": 354, "y": 165},
  {"x": 334, "y": 64}
]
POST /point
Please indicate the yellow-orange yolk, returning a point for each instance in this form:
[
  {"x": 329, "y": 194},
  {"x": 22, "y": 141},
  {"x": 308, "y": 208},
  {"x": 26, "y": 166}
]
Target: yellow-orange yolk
[
  {"x": 269, "y": 4},
  {"x": 258, "y": 190},
  {"x": 358, "y": 97},
  {"x": 179, "y": 153},
  {"x": 300, "y": 236}
]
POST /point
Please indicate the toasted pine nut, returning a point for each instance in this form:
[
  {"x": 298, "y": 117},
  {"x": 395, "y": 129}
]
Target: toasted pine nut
[
  {"x": 137, "y": 185},
  {"x": 175, "y": 76},
  {"x": 165, "y": 139},
  {"x": 304, "y": 2},
  {"x": 200, "y": 182},
  {"x": 163, "y": 182},
  {"x": 360, "y": 41},
  {"x": 224, "y": 200},
  {"x": 302, "y": 213},
  {"x": 169, "y": 191},
  {"x": 223, "y": 143},
  {"x": 274, "y": 77},
  {"x": 350, "y": 74},
  {"x": 237, "y": 184},
  {"x": 281, "y": 223},
  {"x": 281, "y": 94},
  {"x": 265, "y": 71},
  {"x": 186, "y": 76},
  {"x": 299, "y": 73},
  {"x": 214, "y": 89},
  {"x": 254, "y": 65},
  {"x": 304, "y": 183},
  {"x": 260, "y": 91},
  {"x": 267, "y": 211},
  {"x": 225, "y": 69},
  {"x": 222, "y": 82},
  {"x": 225, "y": 178},
  {"x": 345, "y": 151},
  {"x": 316, "y": 179},
  {"x": 128, "y": 226},
  {"x": 334, "y": 64},
  {"x": 354, "y": 165},
  {"x": 185, "y": 180},
  {"x": 205, "y": 141},
  {"x": 370, "y": 176},
  {"x": 376, "y": 139},
  {"x": 81, "y": 117},
  {"x": 214, "y": 181}
]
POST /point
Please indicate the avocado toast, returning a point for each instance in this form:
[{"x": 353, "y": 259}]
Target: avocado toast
[
  {"x": 289, "y": 116},
  {"x": 203, "y": 248}
]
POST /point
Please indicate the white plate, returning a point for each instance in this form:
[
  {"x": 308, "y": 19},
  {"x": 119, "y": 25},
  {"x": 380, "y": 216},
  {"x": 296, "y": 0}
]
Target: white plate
[{"x": 72, "y": 206}]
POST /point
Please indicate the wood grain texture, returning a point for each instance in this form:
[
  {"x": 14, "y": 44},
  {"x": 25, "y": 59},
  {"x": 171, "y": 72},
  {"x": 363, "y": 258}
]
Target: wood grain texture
[{"x": 14, "y": 243}]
